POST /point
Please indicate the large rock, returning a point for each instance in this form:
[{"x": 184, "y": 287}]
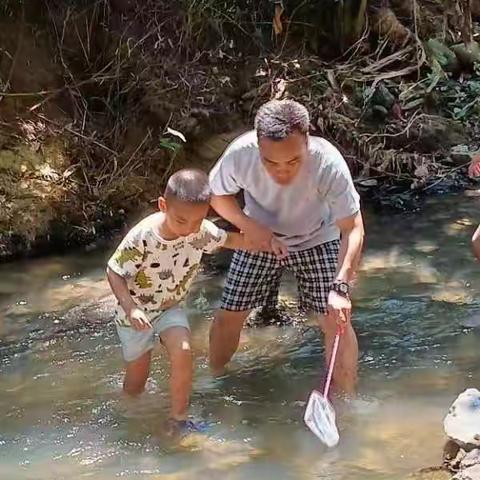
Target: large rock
[
  {"x": 470, "y": 473},
  {"x": 430, "y": 134},
  {"x": 468, "y": 54},
  {"x": 462, "y": 423},
  {"x": 471, "y": 459}
]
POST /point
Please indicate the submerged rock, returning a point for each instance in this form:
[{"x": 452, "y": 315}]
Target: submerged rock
[
  {"x": 434, "y": 473},
  {"x": 462, "y": 423},
  {"x": 472, "y": 322}
]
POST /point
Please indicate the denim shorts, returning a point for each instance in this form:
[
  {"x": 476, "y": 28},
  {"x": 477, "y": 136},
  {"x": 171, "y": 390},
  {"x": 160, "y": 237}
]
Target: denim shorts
[{"x": 137, "y": 342}]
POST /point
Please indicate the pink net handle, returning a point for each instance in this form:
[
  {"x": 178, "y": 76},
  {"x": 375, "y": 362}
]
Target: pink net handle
[{"x": 331, "y": 365}]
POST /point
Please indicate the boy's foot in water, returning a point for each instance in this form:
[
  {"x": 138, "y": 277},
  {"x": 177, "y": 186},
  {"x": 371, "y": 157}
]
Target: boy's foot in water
[{"x": 182, "y": 428}]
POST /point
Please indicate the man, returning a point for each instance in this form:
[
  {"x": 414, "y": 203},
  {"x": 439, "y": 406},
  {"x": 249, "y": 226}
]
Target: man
[{"x": 299, "y": 190}]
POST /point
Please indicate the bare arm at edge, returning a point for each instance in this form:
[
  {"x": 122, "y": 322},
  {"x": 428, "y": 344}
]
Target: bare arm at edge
[
  {"x": 476, "y": 243},
  {"x": 352, "y": 232}
]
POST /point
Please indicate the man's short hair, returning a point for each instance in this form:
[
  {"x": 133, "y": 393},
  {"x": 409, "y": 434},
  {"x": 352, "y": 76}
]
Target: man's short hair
[
  {"x": 189, "y": 185},
  {"x": 277, "y": 119}
]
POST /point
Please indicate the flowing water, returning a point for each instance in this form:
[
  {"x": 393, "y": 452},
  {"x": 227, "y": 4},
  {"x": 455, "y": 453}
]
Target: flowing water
[{"x": 417, "y": 316}]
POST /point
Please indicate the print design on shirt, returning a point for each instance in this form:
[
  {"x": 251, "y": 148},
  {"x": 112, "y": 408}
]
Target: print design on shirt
[
  {"x": 181, "y": 287},
  {"x": 128, "y": 254},
  {"x": 143, "y": 280},
  {"x": 165, "y": 275},
  {"x": 202, "y": 242},
  {"x": 144, "y": 299}
]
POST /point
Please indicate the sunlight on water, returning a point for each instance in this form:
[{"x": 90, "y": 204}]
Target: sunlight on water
[{"x": 418, "y": 321}]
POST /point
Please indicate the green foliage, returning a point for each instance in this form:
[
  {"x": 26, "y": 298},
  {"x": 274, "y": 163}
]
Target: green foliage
[
  {"x": 170, "y": 145},
  {"x": 460, "y": 101}
]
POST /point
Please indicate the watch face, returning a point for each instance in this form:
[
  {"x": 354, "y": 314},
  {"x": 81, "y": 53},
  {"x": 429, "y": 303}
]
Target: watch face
[{"x": 341, "y": 287}]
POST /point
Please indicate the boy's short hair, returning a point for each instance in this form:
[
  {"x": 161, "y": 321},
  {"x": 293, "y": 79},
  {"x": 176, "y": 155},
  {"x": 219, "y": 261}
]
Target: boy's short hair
[
  {"x": 277, "y": 119},
  {"x": 189, "y": 185}
]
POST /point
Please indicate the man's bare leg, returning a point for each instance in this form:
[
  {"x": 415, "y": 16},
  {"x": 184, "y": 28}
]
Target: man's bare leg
[
  {"x": 345, "y": 373},
  {"x": 224, "y": 338}
]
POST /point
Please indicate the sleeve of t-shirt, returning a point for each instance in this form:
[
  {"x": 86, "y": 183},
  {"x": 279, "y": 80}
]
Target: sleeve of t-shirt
[
  {"x": 224, "y": 177},
  {"x": 128, "y": 256},
  {"x": 216, "y": 237},
  {"x": 336, "y": 185}
]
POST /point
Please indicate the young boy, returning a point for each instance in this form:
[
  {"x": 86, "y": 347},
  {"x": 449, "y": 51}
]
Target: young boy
[{"x": 151, "y": 272}]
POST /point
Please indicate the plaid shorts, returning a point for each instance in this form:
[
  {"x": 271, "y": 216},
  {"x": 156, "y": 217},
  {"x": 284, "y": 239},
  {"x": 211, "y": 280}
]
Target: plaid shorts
[{"x": 254, "y": 278}]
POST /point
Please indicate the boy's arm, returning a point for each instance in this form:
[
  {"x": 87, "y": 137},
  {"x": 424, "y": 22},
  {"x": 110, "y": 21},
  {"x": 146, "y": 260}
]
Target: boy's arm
[
  {"x": 137, "y": 316},
  {"x": 476, "y": 243},
  {"x": 237, "y": 241}
]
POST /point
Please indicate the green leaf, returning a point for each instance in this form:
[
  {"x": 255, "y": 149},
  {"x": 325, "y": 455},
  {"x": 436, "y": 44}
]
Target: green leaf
[{"x": 170, "y": 145}]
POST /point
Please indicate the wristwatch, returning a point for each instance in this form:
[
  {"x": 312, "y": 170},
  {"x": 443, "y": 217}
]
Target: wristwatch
[{"x": 341, "y": 287}]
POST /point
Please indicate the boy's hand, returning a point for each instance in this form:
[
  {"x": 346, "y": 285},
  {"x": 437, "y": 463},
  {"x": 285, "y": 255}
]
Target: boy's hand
[
  {"x": 138, "y": 319},
  {"x": 474, "y": 168}
]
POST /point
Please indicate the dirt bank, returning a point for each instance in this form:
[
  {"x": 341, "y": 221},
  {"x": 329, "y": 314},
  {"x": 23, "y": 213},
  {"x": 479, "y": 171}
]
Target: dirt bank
[{"x": 102, "y": 100}]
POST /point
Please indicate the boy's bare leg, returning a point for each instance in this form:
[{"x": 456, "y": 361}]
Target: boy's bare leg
[
  {"x": 137, "y": 374},
  {"x": 345, "y": 373},
  {"x": 177, "y": 343},
  {"x": 224, "y": 338}
]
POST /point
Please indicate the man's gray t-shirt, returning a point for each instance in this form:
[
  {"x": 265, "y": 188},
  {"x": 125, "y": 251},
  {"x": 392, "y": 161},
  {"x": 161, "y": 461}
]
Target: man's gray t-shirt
[{"x": 301, "y": 214}]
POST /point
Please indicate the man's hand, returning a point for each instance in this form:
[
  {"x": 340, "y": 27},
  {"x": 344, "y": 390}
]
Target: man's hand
[
  {"x": 257, "y": 237},
  {"x": 262, "y": 239},
  {"x": 474, "y": 168},
  {"x": 278, "y": 248},
  {"x": 138, "y": 319},
  {"x": 339, "y": 308}
]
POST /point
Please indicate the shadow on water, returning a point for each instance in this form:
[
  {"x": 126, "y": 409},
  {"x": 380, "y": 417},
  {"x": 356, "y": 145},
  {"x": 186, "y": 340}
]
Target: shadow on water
[{"x": 418, "y": 322}]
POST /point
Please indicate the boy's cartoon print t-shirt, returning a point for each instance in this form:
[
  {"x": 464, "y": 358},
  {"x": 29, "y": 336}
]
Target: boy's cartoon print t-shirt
[{"x": 159, "y": 272}]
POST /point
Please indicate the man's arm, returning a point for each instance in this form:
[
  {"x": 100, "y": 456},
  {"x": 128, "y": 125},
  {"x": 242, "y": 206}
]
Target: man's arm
[
  {"x": 352, "y": 235},
  {"x": 228, "y": 208},
  {"x": 476, "y": 243},
  {"x": 352, "y": 232},
  {"x": 257, "y": 237},
  {"x": 237, "y": 241}
]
